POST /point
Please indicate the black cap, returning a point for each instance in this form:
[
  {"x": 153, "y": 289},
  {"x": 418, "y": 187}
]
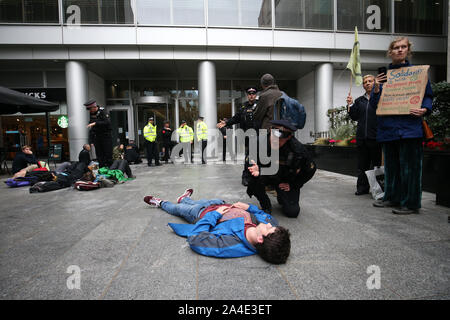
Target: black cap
[
  {"x": 201, "y": 118},
  {"x": 183, "y": 121},
  {"x": 251, "y": 90},
  {"x": 90, "y": 103},
  {"x": 284, "y": 123}
]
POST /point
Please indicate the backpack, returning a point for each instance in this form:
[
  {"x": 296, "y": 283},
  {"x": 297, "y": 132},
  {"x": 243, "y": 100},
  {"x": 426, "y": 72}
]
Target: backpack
[
  {"x": 86, "y": 185},
  {"x": 287, "y": 108}
]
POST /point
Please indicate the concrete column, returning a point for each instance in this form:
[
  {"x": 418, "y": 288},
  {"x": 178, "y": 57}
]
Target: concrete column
[
  {"x": 207, "y": 92},
  {"x": 77, "y": 94},
  {"x": 208, "y": 100},
  {"x": 323, "y": 95}
]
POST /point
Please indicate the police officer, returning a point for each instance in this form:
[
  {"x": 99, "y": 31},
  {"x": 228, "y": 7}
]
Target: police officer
[
  {"x": 186, "y": 135},
  {"x": 202, "y": 136},
  {"x": 150, "y": 142},
  {"x": 245, "y": 118},
  {"x": 296, "y": 167},
  {"x": 100, "y": 133}
]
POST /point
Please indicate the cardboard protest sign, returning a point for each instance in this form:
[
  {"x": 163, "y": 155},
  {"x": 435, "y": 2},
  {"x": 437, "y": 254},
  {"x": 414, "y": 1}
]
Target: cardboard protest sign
[{"x": 404, "y": 90}]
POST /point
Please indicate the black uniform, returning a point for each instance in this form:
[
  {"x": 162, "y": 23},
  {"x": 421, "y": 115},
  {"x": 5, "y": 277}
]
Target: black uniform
[
  {"x": 100, "y": 135},
  {"x": 245, "y": 118},
  {"x": 167, "y": 143},
  {"x": 292, "y": 156}
]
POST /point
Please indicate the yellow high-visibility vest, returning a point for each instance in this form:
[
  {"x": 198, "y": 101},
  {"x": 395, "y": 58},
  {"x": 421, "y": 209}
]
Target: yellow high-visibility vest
[
  {"x": 202, "y": 131},
  {"x": 150, "y": 132},
  {"x": 186, "y": 133}
]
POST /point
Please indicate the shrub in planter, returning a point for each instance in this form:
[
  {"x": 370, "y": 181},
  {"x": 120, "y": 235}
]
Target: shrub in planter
[{"x": 439, "y": 120}]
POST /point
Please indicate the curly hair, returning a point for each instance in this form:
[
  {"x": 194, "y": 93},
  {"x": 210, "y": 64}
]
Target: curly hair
[{"x": 275, "y": 247}]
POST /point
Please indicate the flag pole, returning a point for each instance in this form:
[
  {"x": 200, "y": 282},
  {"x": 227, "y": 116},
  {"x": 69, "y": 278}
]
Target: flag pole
[{"x": 351, "y": 84}]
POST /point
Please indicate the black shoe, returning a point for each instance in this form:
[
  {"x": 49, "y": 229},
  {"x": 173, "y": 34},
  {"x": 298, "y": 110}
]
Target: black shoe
[
  {"x": 157, "y": 164},
  {"x": 359, "y": 193},
  {"x": 384, "y": 204},
  {"x": 404, "y": 210}
]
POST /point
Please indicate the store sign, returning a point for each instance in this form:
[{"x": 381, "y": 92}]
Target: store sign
[
  {"x": 63, "y": 121},
  {"x": 49, "y": 94},
  {"x": 373, "y": 22}
]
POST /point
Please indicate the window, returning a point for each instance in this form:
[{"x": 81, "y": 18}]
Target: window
[
  {"x": 367, "y": 15},
  {"x": 29, "y": 11},
  {"x": 420, "y": 16},
  {"x": 170, "y": 12},
  {"x": 98, "y": 12},
  {"x": 242, "y": 13},
  {"x": 304, "y": 14}
]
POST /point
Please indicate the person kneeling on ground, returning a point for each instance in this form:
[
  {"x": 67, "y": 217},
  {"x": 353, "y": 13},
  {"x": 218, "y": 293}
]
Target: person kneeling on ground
[
  {"x": 225, "y": 230},
  {"x": 295, "y": 168}
]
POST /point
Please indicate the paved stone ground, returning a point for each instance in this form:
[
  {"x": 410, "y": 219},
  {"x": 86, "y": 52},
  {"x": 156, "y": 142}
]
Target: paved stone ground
[{"x": 125, "y": 250}]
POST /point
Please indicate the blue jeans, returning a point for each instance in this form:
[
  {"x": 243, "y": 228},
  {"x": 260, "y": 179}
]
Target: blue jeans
[{"x": 188, "y": 209}]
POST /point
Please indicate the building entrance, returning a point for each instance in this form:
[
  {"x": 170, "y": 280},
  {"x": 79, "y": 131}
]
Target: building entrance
[{"x": 160, "y": 108}]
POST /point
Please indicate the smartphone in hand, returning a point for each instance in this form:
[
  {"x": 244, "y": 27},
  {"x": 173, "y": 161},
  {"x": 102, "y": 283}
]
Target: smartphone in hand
[{"x": 382, "y": 70}]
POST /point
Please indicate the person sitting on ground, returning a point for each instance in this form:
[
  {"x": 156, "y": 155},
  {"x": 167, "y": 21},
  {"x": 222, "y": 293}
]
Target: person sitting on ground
[
  {"x": 119, "y": 152},
  {"x": 23, "y": 159},
  {"x": 132, "y": 153},
  {"x": 225, "y": 230},
  {"x": 85, "y": 155},
  {"x": 123, "y": 166}
]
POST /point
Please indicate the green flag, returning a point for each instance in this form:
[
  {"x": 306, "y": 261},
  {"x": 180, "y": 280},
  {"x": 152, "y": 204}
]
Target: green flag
[{"x": 354, "y": 64}]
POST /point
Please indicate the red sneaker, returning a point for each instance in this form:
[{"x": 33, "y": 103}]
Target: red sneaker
[
  {"x": 187, "y": 193},
  {"x": 154, "y": 202}
]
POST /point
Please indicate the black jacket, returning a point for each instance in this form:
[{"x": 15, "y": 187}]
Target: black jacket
[
  {"x": 102, "y": 126},
  {"x": 245, "y": 116},
  {"x": 366, "y": 117},
  {"x": 292, "y": 156},
  {"x": 22, "y": 160},
  {"x": 84, "y": 157},
  {"x": 166, "y": 136}
]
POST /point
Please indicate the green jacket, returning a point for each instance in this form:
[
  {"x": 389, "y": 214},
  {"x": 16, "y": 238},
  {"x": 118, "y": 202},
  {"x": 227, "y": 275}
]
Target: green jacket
[{"x": 112, "y": 173}]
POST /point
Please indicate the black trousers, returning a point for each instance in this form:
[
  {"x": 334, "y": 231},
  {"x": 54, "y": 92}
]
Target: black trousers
[
  {"x": 289, "y": 200},
  {"x": 152, "y": 152},
  {"x": 167, "y": 150},
  {"x": 103, "y": 150},
  {"x": 64, "y": 180},
  {"x": 224, "y": 149},
  {"x": 123, "y": 166},
  {"x": 204, "y": 145},
  {"x": 369, "y": 155}
]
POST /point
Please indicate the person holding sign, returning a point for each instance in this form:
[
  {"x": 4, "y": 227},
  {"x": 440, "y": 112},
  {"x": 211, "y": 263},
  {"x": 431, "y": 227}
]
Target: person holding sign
[{"x": 400, "y": 129}]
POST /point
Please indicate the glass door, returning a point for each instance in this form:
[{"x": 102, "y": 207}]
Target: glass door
[
  {"x": 119, "y": 124},
  {"x": 159, "y": 111}
]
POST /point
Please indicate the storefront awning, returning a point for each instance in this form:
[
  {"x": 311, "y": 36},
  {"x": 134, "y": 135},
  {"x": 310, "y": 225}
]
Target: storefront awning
[{"x": 13, "y": 102}]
